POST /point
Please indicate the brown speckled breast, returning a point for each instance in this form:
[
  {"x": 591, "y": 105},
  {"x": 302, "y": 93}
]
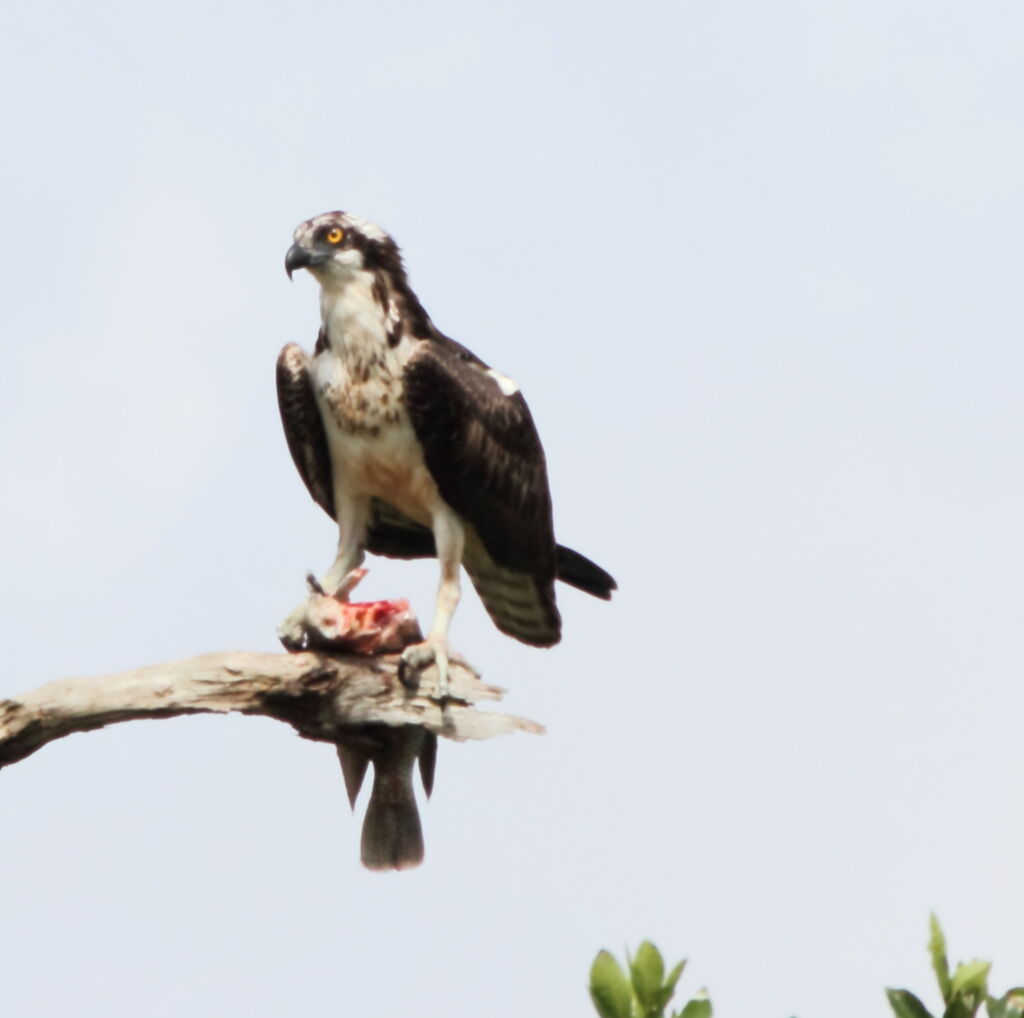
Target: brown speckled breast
[{"x": 366, "y": 408}]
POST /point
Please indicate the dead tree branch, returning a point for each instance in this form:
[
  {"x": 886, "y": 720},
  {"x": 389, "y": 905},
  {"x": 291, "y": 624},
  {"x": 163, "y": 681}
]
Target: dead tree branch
[
  {"x": 354, "y": 701},
  {"x": 321, "y": 696}
]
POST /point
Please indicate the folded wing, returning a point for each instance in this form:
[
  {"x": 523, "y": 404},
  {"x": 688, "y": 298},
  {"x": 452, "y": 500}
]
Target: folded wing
[{"x": 482, "y": 449}]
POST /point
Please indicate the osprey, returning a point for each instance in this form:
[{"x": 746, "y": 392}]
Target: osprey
[{"x": 417, "y": 448}]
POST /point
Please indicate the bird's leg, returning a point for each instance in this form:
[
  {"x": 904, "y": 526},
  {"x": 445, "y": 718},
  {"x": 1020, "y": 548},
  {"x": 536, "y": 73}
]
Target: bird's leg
[
  {"x": 353, "y": 516},
  {"x": 450, "y": 538}
]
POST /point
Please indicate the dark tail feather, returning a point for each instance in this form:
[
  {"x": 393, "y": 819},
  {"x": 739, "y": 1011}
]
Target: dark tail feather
[
  {"x": 579, "y": 572},
  {"x": 354, "y": 761},
  {"x": 392, "y": 836},
  {"x": 428, "y": 762}
]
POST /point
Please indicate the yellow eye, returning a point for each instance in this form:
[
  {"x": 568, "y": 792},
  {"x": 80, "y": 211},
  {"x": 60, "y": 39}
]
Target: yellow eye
[{"x": 334, "y": 235}]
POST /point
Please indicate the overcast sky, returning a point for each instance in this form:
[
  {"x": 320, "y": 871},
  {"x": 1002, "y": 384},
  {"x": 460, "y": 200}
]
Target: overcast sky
[{"x": 757, "y": 268}]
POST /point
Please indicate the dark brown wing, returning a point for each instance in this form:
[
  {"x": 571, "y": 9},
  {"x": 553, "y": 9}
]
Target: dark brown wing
[
  {"x": 482, "y": 449},
  {"x": 390, "y": 532},
  {"x": 393, "y": 534},
  {"x": 303, "y": 425}
]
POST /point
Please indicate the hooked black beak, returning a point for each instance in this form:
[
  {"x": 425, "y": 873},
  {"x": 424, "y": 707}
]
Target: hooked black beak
[{"x": 297, "y": 258}]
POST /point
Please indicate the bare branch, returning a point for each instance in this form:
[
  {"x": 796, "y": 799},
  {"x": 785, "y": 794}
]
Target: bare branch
[
  {"x": 319, "y": 695},
  {"x": 354, "y": 701}
]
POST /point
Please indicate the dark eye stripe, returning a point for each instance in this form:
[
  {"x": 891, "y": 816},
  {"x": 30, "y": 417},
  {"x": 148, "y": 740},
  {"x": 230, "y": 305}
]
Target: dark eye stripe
[{"x": 324, "y": 232}]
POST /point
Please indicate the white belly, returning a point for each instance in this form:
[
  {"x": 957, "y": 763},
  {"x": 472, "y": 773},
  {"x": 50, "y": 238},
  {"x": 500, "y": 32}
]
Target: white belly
[
  {"x": 388, "y": 466},
  {"x": 374, "y": 451}
]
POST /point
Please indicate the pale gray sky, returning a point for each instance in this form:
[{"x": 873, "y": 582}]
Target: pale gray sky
[{"x": 758, "y": 270}]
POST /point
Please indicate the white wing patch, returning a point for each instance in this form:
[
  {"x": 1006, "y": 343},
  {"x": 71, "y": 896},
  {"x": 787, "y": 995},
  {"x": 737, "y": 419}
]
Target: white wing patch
[{"x": 507, "y": 386}]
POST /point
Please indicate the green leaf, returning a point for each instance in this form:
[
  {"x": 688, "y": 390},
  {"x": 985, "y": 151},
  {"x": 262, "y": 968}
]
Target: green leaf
[
  {"x": 970, "y": 979},
  {"x": 609, "y": 988},
  {"x": 937, "y": 947},
  {"x": 699, "y": 1007},
  {"x": 962, "y": 1007},
  {"x": 648, "y": 970},
  {"x": 673, "y": 976},
  {"x": 1010, "y": 1005},
  {"x": 905, "y": 1005},
  {"x": 668, "y": 988}
]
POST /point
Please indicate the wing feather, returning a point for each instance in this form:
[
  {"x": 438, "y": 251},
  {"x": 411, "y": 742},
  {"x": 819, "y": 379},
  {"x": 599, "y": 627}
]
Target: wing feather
[
  {"x": 482, "y": 449},
  {"x": 303, "y": 425}
]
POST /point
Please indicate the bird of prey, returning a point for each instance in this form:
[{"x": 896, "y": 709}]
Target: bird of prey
[{"x": 417, "y": 448}]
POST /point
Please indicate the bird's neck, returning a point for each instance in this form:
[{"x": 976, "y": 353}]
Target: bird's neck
[{"x": 352, "y": 310}]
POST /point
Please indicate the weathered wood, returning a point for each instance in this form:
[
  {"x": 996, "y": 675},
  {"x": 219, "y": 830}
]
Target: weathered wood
[
  {"x": 328, "y": 693},
  {"x": 321, "y": 696}
]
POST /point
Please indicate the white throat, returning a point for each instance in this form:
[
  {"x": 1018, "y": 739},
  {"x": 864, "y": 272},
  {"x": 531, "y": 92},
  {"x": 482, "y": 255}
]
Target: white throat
[
  {"x": 354, "y": 323},
  {"x": 349, "y": 311}
]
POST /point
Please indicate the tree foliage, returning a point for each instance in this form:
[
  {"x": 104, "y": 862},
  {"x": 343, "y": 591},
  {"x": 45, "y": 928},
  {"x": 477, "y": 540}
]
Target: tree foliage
[{"x": 643, "y": 990}]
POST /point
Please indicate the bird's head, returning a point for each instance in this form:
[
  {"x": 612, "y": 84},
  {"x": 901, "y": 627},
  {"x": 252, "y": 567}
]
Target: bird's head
[{"x": 336, "y": 245}]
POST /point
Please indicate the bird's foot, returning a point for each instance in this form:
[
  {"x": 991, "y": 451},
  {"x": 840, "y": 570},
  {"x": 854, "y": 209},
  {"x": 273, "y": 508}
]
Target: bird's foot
[
  {"x": 341, "y": 590},
  {"x": 294, "y": 631},
  {"x": 417, "y": 657}
]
